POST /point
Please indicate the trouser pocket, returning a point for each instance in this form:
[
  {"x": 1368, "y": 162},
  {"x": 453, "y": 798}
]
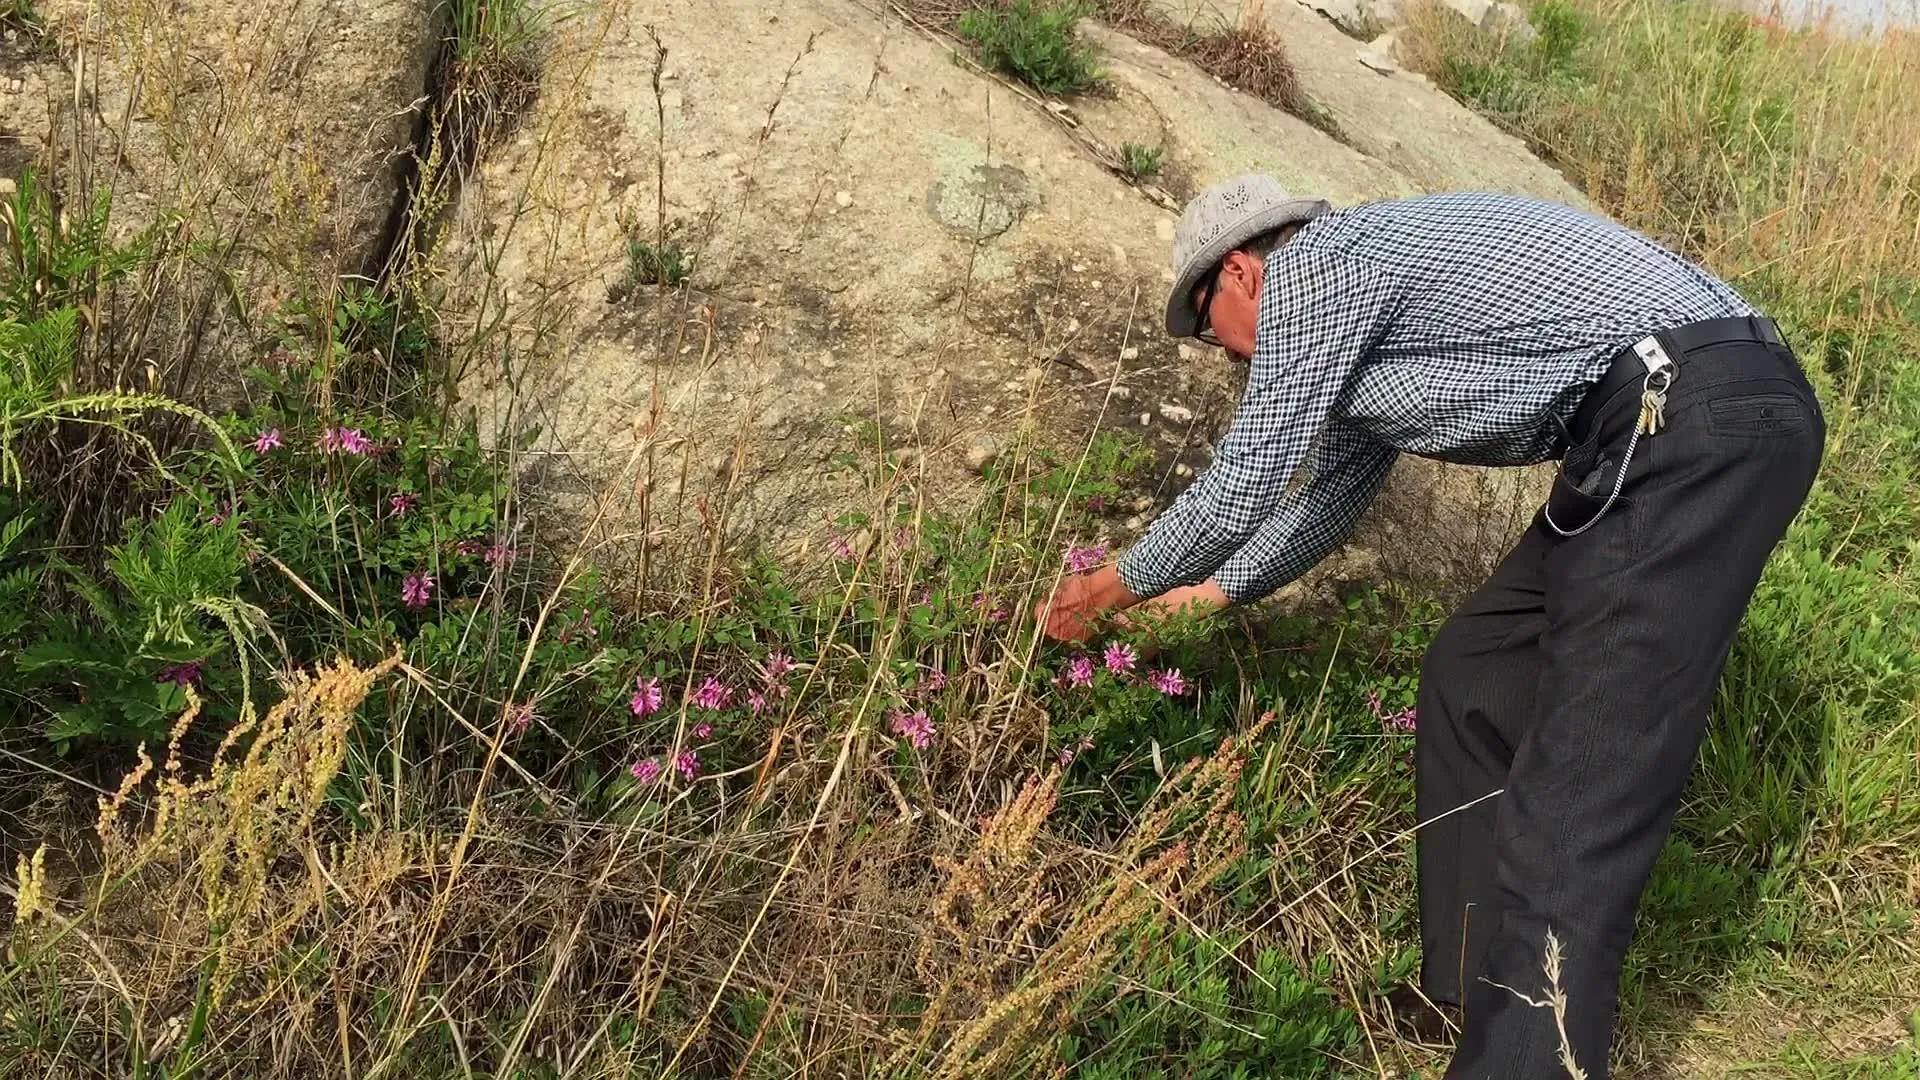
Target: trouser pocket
[{"x": 1587, "y": 487}]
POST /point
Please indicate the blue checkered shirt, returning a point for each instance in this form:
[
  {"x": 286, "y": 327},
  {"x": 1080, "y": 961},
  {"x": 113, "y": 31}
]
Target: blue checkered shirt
[{"x": 1461, "y": 327}]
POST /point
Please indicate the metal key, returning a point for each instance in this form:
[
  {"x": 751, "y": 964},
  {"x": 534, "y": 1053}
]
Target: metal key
[
  {"x": 1653, "y": 410},
  {"x": 1653, "y": 394}
]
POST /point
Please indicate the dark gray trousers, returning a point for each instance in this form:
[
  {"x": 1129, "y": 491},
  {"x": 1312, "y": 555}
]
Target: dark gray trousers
[{"x": 1578, "y": 679}]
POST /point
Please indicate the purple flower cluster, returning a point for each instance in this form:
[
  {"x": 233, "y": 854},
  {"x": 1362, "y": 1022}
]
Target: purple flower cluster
[
  {"x": 183, "y": 675},
  {"x": 686, "y": 762},
  {"x": 1121, "y": 660},
  {"x": 344, "y": 440},
  {"x": 1082, "y": 559},
  {"x": 647, "y": 696},
  {"x": 1407, "y": 719},
  {"x": 417, "y": 590},
  {"x": 712, "y": 695},
  {"x": 914, "y": 726}
]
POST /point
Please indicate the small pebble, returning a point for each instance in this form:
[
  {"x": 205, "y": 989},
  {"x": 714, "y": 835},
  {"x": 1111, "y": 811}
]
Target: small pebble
[
  {"x": 982, "y": 452},
  {"x": 1131, "y": 352},
  {"x": 843, "y": 199},
  {"x": 1178, "y": 414},
  {"x": 1146, "y": 419}
]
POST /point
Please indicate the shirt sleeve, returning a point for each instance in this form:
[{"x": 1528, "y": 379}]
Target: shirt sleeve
[
  {"x": 1348, "y": 471},
  {"x": 1320, "y": 311}
]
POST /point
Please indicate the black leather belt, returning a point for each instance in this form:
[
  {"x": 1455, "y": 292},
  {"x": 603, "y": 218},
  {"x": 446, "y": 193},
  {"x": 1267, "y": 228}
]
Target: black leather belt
[{"x": 1628, "y": 370}]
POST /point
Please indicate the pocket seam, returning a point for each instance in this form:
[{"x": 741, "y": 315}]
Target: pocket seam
[{"x": 1732, "y": 417}]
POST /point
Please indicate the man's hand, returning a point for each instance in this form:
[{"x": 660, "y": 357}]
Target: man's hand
[
  {"x": 1075, "y": 609},
  {"x": 1197, "y": 601}
]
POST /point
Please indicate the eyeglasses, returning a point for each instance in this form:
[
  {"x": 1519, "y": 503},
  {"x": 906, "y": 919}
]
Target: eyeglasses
[{"x": 1204, "y": 330}]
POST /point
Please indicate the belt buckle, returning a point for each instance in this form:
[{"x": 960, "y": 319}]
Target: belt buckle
[{"x": 1660, "y": 366}]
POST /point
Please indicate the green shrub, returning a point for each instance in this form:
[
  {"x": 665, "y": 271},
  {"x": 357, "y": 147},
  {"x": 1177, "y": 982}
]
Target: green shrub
[
  {"x": 658, "y": 263},
  {"x": 1141, "y": 162},
  {"x": 1034, "y": 41}
]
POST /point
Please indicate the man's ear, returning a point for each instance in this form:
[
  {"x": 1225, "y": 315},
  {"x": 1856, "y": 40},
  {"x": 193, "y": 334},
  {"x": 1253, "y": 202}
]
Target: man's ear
[{"x": 1242, "y": 272}]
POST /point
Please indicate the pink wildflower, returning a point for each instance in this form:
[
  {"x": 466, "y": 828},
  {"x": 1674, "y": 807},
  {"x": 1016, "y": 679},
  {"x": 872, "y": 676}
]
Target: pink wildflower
[
  {"x": 934, "y": 683},
  {"x": 342, "y": 440},
  {"x": 1121, "y": 658},
  {"x": 417, "y": 590},
  {"x": 1404, "y": 720},
  {"x": 777, "y": 666},
  {"x": 187, "y": 674},
  {"x": 1080, "y": 670},
  {"x": 703, "y": 731},
  {"x": 713, "y": 694},
  {"x": 646, "y": 770},
  {"x": 267, "y": 440},
  {"x": 995, "y": 613},
  {"x": 1068, "y": 753},
  {"x": 646, "y": 696},
  {"x": 840, "y": 547},
  {"x": 756, "y": 702},
  {"x": 469, "y": 547},
  {"x": 1096, "y": 504},
  {"x": 520, "y": 717},
  {"x": 687, "y": 764},
  {"x": 398, "y": 505},
  {"x": 1082, "y": 559},
  {"x": 923, "y": 598},
  {"x": 1169, "y": 681},
  {"x": 497, "y": 555},
  {"x": 913, "y": 726},
  {"x": 1374, "y": 704}
]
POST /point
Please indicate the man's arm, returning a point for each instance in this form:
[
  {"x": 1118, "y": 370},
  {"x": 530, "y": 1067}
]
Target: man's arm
[
  {"x": 1307, "y": 526},
  {"x": 1319, "y": 313},
  {"x": 1349, "y": 471}
]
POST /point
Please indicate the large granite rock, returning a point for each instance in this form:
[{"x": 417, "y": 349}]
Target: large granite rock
[{"x": 887, "y": 241}]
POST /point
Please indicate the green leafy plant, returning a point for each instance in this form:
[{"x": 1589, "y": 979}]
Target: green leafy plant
[
  {"x": 108, "y": 659},
  {"x": 21, "y": 16},
  {"x": 1141, "y": 162},
  {"x": 1186, "y": 1005},
  {"x": 1034, "y": 41},
  {"x": 664, "y": 263}
]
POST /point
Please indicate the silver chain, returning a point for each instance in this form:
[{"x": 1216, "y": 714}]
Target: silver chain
[{"x": 1653, "y": 408}]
